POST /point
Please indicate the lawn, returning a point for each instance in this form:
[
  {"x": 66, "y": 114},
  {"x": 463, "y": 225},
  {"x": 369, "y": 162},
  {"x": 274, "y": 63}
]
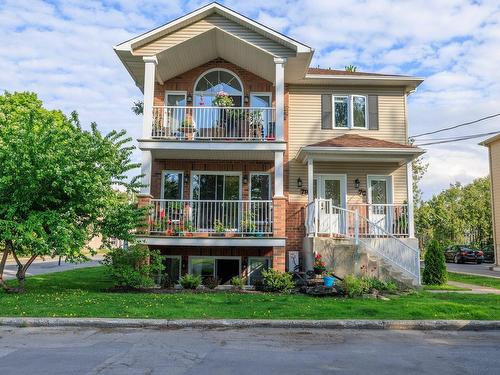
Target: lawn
[
  {"x": 81, "y": 293},
  {"x": 473, "y": 279}
]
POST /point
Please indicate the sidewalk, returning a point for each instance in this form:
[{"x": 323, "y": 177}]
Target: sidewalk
[{"x": 474, "y": 289}]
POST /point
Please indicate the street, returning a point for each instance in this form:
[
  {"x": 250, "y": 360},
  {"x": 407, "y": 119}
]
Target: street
[
  {"x": 55, "y": 351},
  {"x": 40, "y": 267},
  {"x": 475, "y": 269}
]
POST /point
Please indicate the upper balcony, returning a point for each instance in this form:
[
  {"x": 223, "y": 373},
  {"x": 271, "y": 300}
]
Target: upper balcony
[{"x": 212, "y": 123}]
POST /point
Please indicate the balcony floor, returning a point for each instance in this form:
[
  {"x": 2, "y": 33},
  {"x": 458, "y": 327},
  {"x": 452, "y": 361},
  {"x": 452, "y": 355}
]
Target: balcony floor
[{"x": 158, "y": 240}]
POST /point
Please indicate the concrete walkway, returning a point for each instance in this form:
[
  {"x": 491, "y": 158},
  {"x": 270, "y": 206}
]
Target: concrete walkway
[
  {"x": 472, "y": 289},
  {"x": 40, "y": 267}
]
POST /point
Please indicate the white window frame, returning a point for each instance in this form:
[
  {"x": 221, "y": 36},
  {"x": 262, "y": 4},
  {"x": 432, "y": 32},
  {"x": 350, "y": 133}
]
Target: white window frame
[
  {"x": 173, "y": 92},
  {"x": 163, "y": 173},
  {"x": 342, "y": 177},
  {"x": 350, "y": 111},
  {"x": 250, "y": 184},
  {"x": 262, "y": 93},
  {"x": 195, "y": 92},
  {"x": 230, "y": 173}
]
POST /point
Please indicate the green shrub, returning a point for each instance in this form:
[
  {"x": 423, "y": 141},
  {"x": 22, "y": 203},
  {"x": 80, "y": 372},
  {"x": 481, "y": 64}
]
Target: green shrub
[
  {"x": 189, "y": 281},
  {"x": 357, "y": 286},
  {"x": 435, "y": 266},
  {"x": 276, "y": 281},
  {"x": 130, "y": 268},
  {"x": 211, "y": 282},
  {"x": 237, "y": 282}
]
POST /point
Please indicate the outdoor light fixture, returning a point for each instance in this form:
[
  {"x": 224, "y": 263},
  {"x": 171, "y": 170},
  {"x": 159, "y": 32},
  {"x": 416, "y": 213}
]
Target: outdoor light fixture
[
  {"x": 246, "y": 99},
  {"x": 245, "y": 179},
  {"x": 186, "y": 178},
  {"x": 356, "y": 183},
  {"x": 189, "y": 98}
]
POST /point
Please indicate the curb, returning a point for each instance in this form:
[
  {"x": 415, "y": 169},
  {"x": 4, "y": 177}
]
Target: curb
[{"x": 421, "y": 325}]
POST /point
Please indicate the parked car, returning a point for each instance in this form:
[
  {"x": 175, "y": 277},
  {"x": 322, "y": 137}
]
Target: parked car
[
  {"x": 488, "y": 253},
  {"x": 463, "y": 254}
]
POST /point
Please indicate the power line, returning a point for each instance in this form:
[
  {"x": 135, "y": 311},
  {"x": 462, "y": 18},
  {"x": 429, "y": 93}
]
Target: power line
[
  {"x": 457, "y": 126},
  {"x": 457, "y": 139}
]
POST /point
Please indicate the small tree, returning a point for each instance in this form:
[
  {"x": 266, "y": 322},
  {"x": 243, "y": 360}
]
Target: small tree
[
  {"x": 435, "y": 267},
  {"x": 57, "y": 184}
]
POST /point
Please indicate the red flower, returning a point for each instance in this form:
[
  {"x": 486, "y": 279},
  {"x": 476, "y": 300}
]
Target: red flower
[{"x": 162, "y": 213}]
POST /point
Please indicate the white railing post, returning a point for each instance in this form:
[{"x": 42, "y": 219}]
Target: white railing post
[
  {"x": 356, "y": 227},
  {"x": 316, "y": 217}
]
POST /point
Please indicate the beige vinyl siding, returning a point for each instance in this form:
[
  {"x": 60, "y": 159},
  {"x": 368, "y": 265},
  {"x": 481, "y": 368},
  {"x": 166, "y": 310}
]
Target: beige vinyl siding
[
  {"x": 352, "y": 171},
  {"x": 495, "y": 189},
  {"x": 304, "y": 128},
  {"x": 208, "y": 23}
]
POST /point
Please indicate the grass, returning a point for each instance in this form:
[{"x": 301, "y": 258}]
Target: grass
[
  {"x": 475, "y": 280},
  {"x": 81, "y": 293}
]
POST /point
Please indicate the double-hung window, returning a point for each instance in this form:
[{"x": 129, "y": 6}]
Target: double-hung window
[{"x": 350, "y": 112}]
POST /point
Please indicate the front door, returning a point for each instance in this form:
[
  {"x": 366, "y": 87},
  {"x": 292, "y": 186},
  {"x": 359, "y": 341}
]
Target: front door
[
  {"x": 226, "y": 269},
  {"x": 331, "y": 189},
  {"x": 379, "y": 200}
]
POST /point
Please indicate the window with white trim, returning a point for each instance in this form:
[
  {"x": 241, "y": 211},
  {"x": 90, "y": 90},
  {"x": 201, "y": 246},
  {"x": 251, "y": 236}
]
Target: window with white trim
[{"x": 350, "y": 111}]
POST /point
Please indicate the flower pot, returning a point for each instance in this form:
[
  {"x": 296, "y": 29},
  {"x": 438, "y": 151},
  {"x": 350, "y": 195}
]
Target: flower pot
[
  {"x": 329, "y": 281},
  {"x": 200, "y": 234},
  {"x": 318, "y": 271}
]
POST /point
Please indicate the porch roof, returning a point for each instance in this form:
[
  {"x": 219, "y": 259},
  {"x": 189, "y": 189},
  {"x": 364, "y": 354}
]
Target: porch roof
[{"x": 355, "y": 147}]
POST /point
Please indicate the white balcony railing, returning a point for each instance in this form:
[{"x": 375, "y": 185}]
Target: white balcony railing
[
  {"x": 378, "y": 220},
  {"x": 203, "y": 218},
  {"x": 214, "y": 123}
]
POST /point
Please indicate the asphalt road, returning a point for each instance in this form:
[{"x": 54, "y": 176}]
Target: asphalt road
[
  {"x": 475, "y": 269},
  {"x": 39, "y": 267},
  {"x": 54, "y": 351}
]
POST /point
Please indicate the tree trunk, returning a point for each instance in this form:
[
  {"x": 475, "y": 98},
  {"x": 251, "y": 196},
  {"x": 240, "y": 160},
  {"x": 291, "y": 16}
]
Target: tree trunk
[
  {"x": 5, "y": 255},
  {"x": 21, "y": 269}
]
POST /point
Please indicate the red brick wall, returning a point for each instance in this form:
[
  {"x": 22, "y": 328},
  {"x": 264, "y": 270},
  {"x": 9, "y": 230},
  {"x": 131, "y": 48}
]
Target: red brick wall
[{"x": 186, "y": 81}]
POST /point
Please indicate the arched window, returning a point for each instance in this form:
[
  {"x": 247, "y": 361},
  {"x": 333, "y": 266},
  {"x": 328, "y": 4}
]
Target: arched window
[{"x": 215, "y": 80}]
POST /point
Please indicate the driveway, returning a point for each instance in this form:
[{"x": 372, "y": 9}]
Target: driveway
[
  {"x": 473, "y": 269},
  {"x": 54, "y": 351},
  {"x": 39, "y": 267}
]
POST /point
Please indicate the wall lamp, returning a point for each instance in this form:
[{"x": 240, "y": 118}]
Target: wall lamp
[
  {"x": 189, "y": 98},
  {"x": 245, "y": 179},
  {"x": 299, "y": 182},
  {"x": 186, "y": 178}
]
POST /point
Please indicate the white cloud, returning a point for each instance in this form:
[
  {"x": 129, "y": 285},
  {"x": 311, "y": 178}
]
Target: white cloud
[{"x": 63, "y": 51}]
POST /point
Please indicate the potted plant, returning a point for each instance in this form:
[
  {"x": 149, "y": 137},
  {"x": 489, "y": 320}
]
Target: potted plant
[
  {"x": 319, "y": 265},
  {"x": 222, "y": 99},
  {"x": 188, "y": 229},
  {"x": 219, "y": 228},
  {"x": 248, "y": 225},
  {"x": 187, "y": 128}
]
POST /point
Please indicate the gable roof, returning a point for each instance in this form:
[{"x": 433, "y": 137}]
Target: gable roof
[
  {"x": 356, "y": 140},
  {"x": 207, "y": 10},
  {"x": 488, "y": 141}
]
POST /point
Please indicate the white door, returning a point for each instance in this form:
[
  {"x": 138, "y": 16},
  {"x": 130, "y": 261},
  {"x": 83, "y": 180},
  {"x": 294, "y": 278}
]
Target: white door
[
  {"x": 175, "y": 117},
  {"x": 263, "y": 100},
  {"x": 331, "y": 189},
  {"x": 379, "y": 200}
]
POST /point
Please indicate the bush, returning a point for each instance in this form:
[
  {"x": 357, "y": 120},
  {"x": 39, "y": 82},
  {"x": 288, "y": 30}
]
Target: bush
[
  {"x": 237, "y": 282},
  {"x": 130, "y": 268},
  {"x": 435, "y": 266},
  {"x": 211, "y": 282},
  {"x": 275, "y": 281},
  {"x": 357, "y": 286},
  {"x": 190, "y": 281}
]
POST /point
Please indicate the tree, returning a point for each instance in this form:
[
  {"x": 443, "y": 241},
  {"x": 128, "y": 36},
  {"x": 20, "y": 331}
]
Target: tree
[
  {"x": 459, "y": 214},
  {"x": 435, "y": 267},
  {"x": 351, "y": 68},
  {"x": 58, "y": 184}
]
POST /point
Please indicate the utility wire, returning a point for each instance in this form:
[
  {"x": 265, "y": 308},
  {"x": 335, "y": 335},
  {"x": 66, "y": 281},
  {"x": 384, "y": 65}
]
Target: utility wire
[
  {"x": 457, "y": 139},
  {"x": 457, "y": 126}
]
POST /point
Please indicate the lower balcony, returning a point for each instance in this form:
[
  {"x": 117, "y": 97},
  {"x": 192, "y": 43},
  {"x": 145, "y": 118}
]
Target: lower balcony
[{"x": 211, "y": 223}]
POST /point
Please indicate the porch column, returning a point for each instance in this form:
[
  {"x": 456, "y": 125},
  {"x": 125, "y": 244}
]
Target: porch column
[
  {"x": 409, "y": 199},
  {"x": 149, "y": 87},
  {"x": 310, "y": 180},
  {"x": 280, "y": 97},
  {"x": 146, "y": 165},
  {"x": 278, "y": 174}
]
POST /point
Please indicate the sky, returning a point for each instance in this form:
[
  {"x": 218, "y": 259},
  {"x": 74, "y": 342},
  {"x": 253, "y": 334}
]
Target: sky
[{"x": 63, "y": 50}]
